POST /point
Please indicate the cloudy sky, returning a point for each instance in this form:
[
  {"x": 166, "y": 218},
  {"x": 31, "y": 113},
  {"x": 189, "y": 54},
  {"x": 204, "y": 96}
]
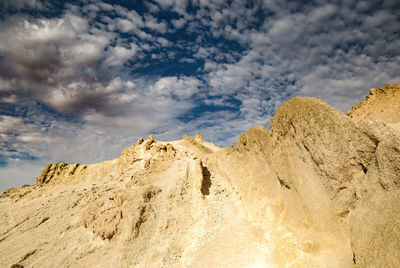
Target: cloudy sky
[{"x": 81, "y": 80}]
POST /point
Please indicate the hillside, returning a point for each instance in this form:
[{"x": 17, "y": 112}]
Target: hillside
[
  {"x": 382, "y": 103},
  {"x": 320, "y": 189}
]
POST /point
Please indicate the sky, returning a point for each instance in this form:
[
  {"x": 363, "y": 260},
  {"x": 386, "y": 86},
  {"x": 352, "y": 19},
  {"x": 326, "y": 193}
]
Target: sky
[{"x": 82, "y": 80}]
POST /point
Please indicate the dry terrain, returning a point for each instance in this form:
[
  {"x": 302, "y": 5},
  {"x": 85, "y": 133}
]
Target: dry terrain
[{"x": 320, "y": 189}]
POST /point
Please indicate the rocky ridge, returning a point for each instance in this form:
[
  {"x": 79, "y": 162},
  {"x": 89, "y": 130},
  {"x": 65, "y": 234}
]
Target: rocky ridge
[
  {"x": 382, "y": 103},
  {"x": 317, "y": 190}
]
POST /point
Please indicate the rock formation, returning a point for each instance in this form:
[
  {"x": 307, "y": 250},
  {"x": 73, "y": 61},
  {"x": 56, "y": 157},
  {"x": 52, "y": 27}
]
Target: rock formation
[
  {"x": 320, "y": 189},
  {"x": 382, "y": 103}
]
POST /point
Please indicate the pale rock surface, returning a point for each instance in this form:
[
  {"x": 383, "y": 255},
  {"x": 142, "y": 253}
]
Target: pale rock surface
[
  {"x": 319, "y": 189},
  {"x": 375, "y": 229},
  {"x": 381, "y": 103}
]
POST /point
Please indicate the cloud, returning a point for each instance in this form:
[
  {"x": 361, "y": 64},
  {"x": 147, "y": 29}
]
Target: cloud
[
  {"x": 22, "y": 4},
  {"x": 42, "y": 51},
  {"x": 20, "y": 173},
  {"x": 87, "y": 80},
  {"x": 153, "y": 24},
  {"x": 179, "y": 88},
  {"x": 178, "y": 23},
  {"x": 118, "y": 55},
  {"x": 15, "y": 134}
]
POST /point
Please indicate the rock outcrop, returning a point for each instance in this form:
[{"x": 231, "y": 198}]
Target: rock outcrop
[
  {"x": 320, "y": 189},
  {"x": 381, "y": 103}
]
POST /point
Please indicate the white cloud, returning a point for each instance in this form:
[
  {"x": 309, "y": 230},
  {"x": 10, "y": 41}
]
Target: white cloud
[
  {"x": 152, "y": 23},
  {"x": 104, "y": 6},
  {"x": 178, "y": 6},
  {"x": 181, "y": 88},
  {"x": 163, "y": 42},
  {"x": 178, "y": 23},
  {"x": 125, "y": 25},
  {"x": 322, "y": 13},
  {"x": 19, "y": 173},
  {"x": 22, "y": 4},
  {"x": 9, "y": 124},
  {"x": 118, "y": 55}
]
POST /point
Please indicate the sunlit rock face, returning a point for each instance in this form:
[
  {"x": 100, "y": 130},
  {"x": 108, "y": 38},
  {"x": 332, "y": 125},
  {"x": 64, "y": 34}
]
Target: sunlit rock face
[
  {"x": 381, "y": 103},
  {"x": 320, "y": 189}
]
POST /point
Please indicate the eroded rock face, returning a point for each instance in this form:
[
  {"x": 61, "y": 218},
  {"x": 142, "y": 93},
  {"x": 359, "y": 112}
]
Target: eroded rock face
[
  {"x": 375, "y": 230},
  {"x": 317, "y": 190},
  {"x": 381, "y": 103},
  {"x": 330, "y": 140}
]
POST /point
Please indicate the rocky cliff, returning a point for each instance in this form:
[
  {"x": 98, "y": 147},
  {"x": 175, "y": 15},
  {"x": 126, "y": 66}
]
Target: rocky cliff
[{"x": 320, "y": 189}]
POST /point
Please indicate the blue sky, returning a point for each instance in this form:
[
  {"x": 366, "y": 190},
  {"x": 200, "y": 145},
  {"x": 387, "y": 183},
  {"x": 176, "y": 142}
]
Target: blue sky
[{"x": 81, "y": 80}]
